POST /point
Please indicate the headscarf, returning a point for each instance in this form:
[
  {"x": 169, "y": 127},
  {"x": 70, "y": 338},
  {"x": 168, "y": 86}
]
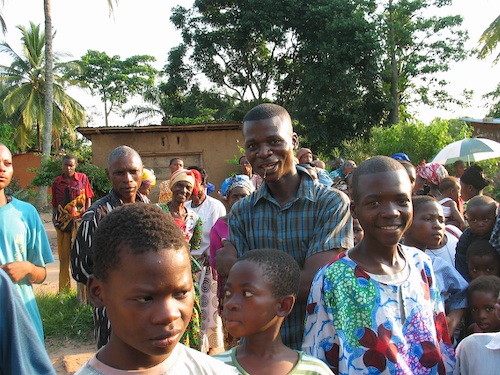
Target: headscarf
[
  {"x": 236, "y": 181},
  {"x": 302, "y": 152},
  {"x": 148, "y": 177},
  {"x": 191, "y": 176},
  {"x": 400, "y": 156},
  {"x": 432, "y": 172}
]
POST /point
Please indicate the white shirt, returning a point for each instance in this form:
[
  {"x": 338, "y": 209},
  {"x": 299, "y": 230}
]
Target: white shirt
[{"x": 479, "y": 354}]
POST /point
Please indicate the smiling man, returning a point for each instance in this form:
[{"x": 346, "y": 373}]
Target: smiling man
[
  {"x": 124, "y": 171},
  {"x": 290, "y": 212}
]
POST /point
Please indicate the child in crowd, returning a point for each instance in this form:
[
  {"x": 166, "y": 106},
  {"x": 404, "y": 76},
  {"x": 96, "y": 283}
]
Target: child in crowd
[
  {"x": 142, "y": 276},
  {"x": 482, "y": 259},
  {"x": 449, "y": 198},
  {"x": 482, "y": 295},
  {"x": 427, "y": 230},
  {"x": 376, "y": 308},
  {"x": 479, "y": 353},
  {"x": 481, "y": 214},
  {"x": 358, "y": 231},
  {"x": 260, "y": 292}
]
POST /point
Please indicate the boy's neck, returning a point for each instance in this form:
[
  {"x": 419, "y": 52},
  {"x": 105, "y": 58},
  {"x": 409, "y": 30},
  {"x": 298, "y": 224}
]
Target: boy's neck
[
  {"x": 3, "y": 198},
  {"x": 378, "y": 260}
]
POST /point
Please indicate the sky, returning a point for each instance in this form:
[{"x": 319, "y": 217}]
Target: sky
[{"x": 135, "y": 29}]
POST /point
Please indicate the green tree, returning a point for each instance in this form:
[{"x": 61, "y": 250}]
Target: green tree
[
  {"x": 490, "y": 39},
  {"x": 116, "y": 80},
  {"x": 23, "y": 90},
  {"x": 417, "y": 48}
]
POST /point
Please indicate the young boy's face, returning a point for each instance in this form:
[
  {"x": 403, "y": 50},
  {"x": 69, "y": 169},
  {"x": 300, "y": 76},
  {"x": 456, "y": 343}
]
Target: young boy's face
[
  {"x": 483, "y": 265},
  {"x": 249, "y": 305},
  {"x": 482, "y": 308},
  {"x": 481, "y": 220},
  {"x": 6, "y": 168},
  {"x": 149, "y": 302},
  {"x": 269, "y": 146},
  {"x": 383, "y": 207},
  {"x": 358, "y": 231},
  {"x": 427, "y": 229}
]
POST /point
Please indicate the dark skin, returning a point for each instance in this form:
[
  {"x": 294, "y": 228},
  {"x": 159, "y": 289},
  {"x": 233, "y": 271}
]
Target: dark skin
[{"x": 269, "y": 147}]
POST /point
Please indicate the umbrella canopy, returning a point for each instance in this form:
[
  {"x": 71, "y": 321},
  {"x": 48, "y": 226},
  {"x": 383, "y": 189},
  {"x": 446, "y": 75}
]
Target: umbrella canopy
[{"x": 469, "y": 150}]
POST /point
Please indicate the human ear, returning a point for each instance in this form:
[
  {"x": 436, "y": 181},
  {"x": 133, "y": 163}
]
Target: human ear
[
  {"x": 295, "y": 141},
  {"x": 286, "y": 306},
  {"x": 95, "y": 291},
  {"x": 353, "y": 210}
]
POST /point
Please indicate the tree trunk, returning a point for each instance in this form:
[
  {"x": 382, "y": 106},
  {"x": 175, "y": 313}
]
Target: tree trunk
[
  {"x": 394, "y": 114},
  {"x": 41, "y": 198}
]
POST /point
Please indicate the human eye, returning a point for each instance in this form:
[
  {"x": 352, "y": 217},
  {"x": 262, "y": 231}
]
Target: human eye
[
  {"x": 181, "y": 294},
  {"x": 404, "y": 202},
  {"x": 489, "y": 270},
  {"x": 251, "y": 146},
  {"x": 473, "y": 309},
  {"x": 247, "y": 293},
  {"x": 227, "y": 293},
  {"x": 144, "y": 299},
  {"x": 489, "y": 308}
]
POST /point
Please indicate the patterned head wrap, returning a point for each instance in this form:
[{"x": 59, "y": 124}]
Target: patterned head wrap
[
  {"x": 432, "y": 172},
  {"x": 240, "y": 180},
  {"x": 148, "y": 177},
  {"x": 191, "y": 176}
]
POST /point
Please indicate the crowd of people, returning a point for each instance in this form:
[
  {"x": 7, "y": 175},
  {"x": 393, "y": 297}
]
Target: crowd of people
[{"x": 378, "y": 268}]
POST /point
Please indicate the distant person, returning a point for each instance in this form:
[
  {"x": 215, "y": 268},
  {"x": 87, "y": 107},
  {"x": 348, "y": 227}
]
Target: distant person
[
  {"x": 473, "y": 182},
  {"x": 459, "y": 168},
  {"x": 305, "y": 157},
  {"x": 142, "y": 278},
  {"x": 479, "y": 353},
  {"x": 401, "y": 156},
  {"x": 376, "y": 307},
  {"x": 481, "y": 215},
  {"x": 260, "y": 292},
  {"x": 209, "y": 209},
  {"x": 337, "y": 162},
  {"x": 246, "y": 169},
  {"x": 124, "y": 171},
  {"x": 290, "y": 212},
  {"x": 148, "y": 182},
  {"x": 429, "y": 176},
  {"x": 71, "y": 197},
  {"x": 358, "y": 231},
  {"x": 482, "y": 259},
  {"x": 24, "y": 246},
  {"x": 449, "y": 198},
  {"x": 411, "y": 170},
  {"x": 165, "y": 192},
  {"x": 22, "y": 352}
]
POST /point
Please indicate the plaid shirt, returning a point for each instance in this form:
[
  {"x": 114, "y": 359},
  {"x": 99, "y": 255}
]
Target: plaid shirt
[{"x": 316, "y": 220}]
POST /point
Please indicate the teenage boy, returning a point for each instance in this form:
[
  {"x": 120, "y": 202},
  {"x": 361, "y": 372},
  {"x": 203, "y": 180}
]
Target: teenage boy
[
  {"x": 260, "y": 292},
  {"x": 376, "y": 308},
  {"x": 142, "y": 277},
  {"x": 124, "y": 171},
  {"x": 290, "y": 212}
]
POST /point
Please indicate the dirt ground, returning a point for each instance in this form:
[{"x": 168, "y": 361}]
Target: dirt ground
[{"x": 67, "y": 356}]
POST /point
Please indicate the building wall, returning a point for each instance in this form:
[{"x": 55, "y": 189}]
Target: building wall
[
  {"x": 485, "y": 130},
  {"x": 207, "y": 148},
  {"x": 22, "y": 163}
]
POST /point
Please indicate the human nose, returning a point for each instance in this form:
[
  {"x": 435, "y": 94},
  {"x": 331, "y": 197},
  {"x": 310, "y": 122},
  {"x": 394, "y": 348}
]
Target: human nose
[
  {"x": 390, "y": 209},
  {"x": 231, "y": 303},
  {"x": 166, "y": 311},
  {"x": 264, "y": 151}
]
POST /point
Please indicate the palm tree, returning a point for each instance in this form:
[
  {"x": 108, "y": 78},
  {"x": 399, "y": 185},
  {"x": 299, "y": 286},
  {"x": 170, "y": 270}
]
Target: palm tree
[
  {"x": 490, "y": 39},
  {"x": 23, "y": 94}
]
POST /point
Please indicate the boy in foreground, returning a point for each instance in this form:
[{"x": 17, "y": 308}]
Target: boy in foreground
[
  {"x": 376, "y": 308},
  {"x": 142, "y": 276},
  {"x": 260, "y": 292}
]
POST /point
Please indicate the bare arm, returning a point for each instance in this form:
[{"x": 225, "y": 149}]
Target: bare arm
[
  {"x": 88, "y": 202},
  {"x": 311, "y": 266},
  {"x": 453, "y": 318},
  {"x": 457, "y": 216},
  {"x": 19, "y": 270}
]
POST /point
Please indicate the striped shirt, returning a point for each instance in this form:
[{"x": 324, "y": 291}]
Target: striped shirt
[
  {"x": 316, "y": 220},
  {"x": 306, "y": 365}
]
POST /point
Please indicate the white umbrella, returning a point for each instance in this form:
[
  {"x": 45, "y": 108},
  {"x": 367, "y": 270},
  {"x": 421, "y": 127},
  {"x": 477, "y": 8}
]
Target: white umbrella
[{"x": 469, "y": 150}]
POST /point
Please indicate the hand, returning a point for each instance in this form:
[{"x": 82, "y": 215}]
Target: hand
[
  {"x": 225, "y": 258},
  {"x": 17, "y": 270}
]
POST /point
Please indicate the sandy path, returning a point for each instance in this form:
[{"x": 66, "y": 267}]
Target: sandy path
[{"x": 67, "y": 356}]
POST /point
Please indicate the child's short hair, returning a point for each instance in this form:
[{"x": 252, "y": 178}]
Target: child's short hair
[
  {"x": 279, "y": 268},
  {"x": 487, "y": 283},
  {"x": 482, "y": 201},
  {"x": 419, "y": 200},
  {"x": 447, "y": 183},
  {"x": 376, "y": 164},
  {"x": 481, "y": 248},
  {"x": 141, "y": 228}
]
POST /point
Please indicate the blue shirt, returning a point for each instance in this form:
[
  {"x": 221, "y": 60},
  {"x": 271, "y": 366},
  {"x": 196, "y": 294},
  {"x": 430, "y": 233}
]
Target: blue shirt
[{"x": 317, "y": 219}]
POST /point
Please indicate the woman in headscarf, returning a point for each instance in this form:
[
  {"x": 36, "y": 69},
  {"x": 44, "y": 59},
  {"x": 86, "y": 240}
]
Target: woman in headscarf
[
  {"x": 148, "y": 181},
  {"x": 183, "y": 183},
  {"x": 232, "y": 190},
  {"x": 429, "y": 176}
]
